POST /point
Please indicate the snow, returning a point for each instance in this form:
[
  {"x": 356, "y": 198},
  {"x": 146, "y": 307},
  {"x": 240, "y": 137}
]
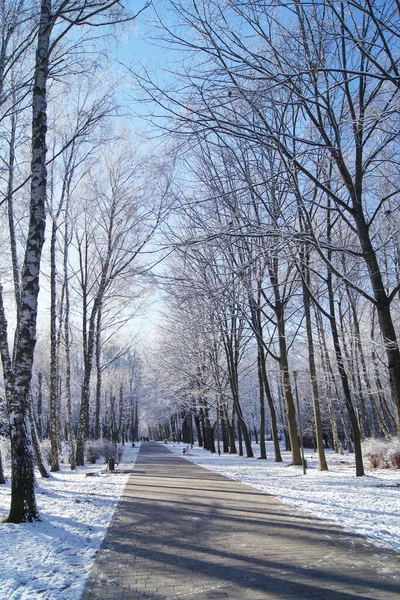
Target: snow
[
  {"x": 368, "y": 505},
  {"x": 51, "y": 560}
]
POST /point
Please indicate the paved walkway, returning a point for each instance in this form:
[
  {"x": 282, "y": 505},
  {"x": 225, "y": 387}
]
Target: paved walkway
[{"x": 183, "y": 532}]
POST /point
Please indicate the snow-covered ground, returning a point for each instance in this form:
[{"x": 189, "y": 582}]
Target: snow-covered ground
[
  {"x": 368, "y": 505},
  {"x": 52, "y": 559}
]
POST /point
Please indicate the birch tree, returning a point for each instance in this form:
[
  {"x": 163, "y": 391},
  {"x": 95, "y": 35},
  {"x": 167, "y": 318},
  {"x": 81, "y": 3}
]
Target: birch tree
[
  {"x": 53, "y": 23},
  {"x": 123, "y": 221}
]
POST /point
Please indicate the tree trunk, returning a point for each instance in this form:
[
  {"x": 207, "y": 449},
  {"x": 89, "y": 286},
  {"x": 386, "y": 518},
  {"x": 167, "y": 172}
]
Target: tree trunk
[
  {"x": 83, "y": 424},
  {"x": 346, "y": 433},
  {"x": 284, "y": 366},
  {"x": 383, "y": 311},
  {"x": 345, "y": 383},
  {"x": 96, "y": 433},
  {"x": 121, "y": 413},
  {"x": 272, "y": 412},
  {"x": 264, "y": 383},
  {"x": 379, "y": 418},
  {"x": 40, "y": 406},
  {"x": 53, "y": 401},
  {"x": 233, "y": 381},
  {"x": 203, "y": 426},
  {"x": 240, "y": 438},
  {"x": 198, "y": 429},
  {"x": 263, "y": 450},
  {"x": 23, "y": 501},
  {"x": 224, "y": 428},
  {"x": 11, "y": 219},
  {"x": 379, "y": 386},
  {"x": 358, "y": 409},
  {"x": 2, "y": 476},
  {"x": 231, "y": 431},
  {"x": 209, "y": 431},
  {"x": 328, "y": 377},
  {"x": 255, "y": 432},
  {"x": 70, "y": 429},
  {"x": 36, "y": 447},
  {"x": 313, "y": 371}
]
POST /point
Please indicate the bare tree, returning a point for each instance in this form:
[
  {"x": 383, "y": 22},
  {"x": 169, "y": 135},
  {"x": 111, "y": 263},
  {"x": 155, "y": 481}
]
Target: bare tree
[
  {"x": 124, "y": 222},
  {"x": 327, "y": 63},
  {"x": 54, "y": 22}
]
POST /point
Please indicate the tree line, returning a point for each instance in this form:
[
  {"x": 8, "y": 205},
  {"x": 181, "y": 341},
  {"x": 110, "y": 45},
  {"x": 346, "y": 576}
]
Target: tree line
[
  {"x": 71, "y": 172},
  {"x": 286, "y": 115}
]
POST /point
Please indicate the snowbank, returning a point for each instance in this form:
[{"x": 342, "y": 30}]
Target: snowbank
[{"x": 52, "y": 559}]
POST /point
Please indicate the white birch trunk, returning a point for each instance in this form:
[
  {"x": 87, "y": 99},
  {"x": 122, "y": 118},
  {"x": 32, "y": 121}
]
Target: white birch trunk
[{"x": 23, "y": 501}]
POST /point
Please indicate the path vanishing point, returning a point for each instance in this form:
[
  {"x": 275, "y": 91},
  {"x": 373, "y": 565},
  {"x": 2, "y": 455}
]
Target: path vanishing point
[{"x": 182, "y": 532}]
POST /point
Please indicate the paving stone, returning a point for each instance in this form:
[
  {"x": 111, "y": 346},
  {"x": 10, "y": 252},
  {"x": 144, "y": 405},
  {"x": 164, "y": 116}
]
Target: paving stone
[{"x": 181, "y": 532}]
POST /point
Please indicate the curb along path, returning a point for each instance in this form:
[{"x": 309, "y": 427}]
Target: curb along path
[{"x": 181, "y": 532}]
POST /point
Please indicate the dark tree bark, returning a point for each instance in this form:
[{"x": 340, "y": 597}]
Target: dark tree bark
[
  {"x": 381, "y": 394},
  {"x": 89, "y": 346},
  {"x": 231, "y": 345},
  {"x": 328, "y": 378},
  {"x": 305, "y": 271},
  {"x": 345, "y": 382},
  {"x": 377, "y": 413},
  {"x": 209, "y": 430},
  {"x": 96, "y": 432},
  {"x": 36, "y": 447},
  {"x": 359, "y": 409},
  {"x": 40, "y": 406},
  {"x": 224, "y": 428},
  {"x": 2, "y": 476},
  {"x": 53, "y": 400},
  {"x": 271, "y": 406},
  {"x": 11, "y": 218},
  {"x": 240, "y": 437},
  {"x": 19, "y": 375},
  {"x": 231, "y": 431},
  {"x": 263, "y": 450},
  {"x": 198, "y": 428},
  {"x": 70, "y": 429}
]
